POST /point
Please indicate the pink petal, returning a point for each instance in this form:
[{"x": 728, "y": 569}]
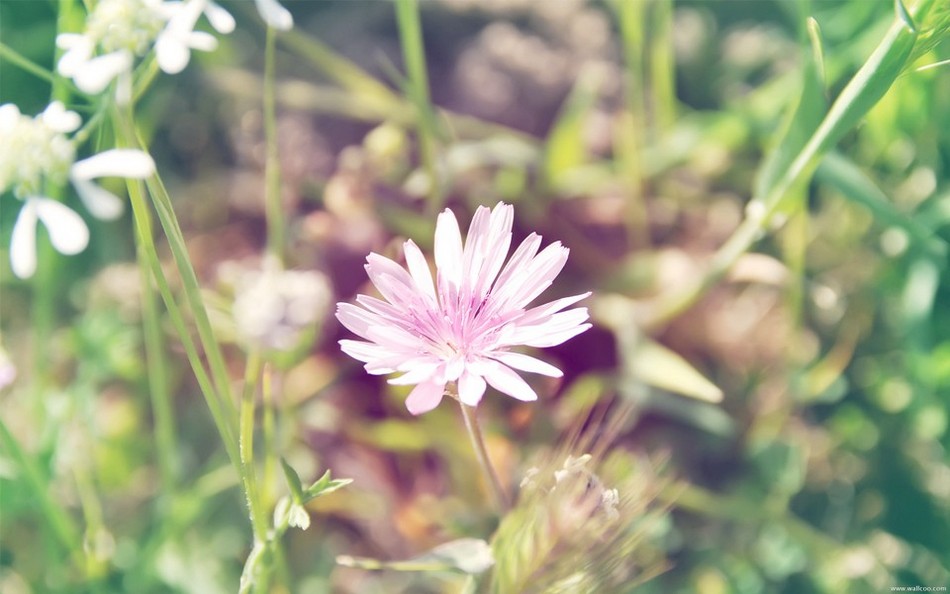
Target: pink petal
[
  {"x": 419, "y": 270},
  {"x": 526, "y": 363},
  {"x": 505, "y": 380},
  {"x": 448, "y": 250},
  {"x": 425, "y": 397},
  {"x": 471, "y": 388},
  {"x": 542, "y": 311}
]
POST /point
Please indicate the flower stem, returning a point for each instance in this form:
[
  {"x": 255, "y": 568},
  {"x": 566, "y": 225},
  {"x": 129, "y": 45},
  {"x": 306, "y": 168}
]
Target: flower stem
[{"x": 470, "y": 416}]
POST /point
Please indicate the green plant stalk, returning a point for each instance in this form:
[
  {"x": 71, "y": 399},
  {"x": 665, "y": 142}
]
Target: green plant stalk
[
  {"x": 252, "y": 492},
  {"x": 273, "y": 204},
  {"x": 166, "y": 438},
  {"x": 212, "y": 349},
  {"x": 631, "y": 140},
  {"x": 252, "y": 377},
  {"x": 413, "y": 53},
  {"x": 470, "y": 416},
  {"x": 662, "y": 71},
  {"x": 57, "y": 518},
  {"x": 146, "y": 242},
  {"x": 861, "y": 94},
  {"x": 10, "y": 55},
  {"x": 268, "y": 426}
]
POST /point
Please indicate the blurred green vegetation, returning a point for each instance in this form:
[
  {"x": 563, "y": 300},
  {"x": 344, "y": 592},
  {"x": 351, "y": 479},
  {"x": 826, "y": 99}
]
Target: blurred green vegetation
[{"x": 777, "y": 414}]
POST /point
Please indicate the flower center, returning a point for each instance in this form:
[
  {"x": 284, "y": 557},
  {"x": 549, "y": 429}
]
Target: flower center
[
  {"x": 31, "y": 154},
  {"x": 130, "y": 25}
]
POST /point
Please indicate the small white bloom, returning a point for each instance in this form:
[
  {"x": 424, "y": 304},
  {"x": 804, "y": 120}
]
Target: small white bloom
[
  {"x": 67, "y": 232},
  {"x": 120, "y": 31},
  {"x": 174, "y": 44},
  {"x": 275, "y": 15},
  {"x": 36, "y": 151},
  {"x": 102, "y": 203},
  {"x": 275, "y": 308}
]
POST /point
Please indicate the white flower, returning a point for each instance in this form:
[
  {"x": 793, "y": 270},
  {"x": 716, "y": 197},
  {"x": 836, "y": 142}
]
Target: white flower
[
  {"x": 274, "y": 309},
  {"x": 120, "y": 31},
  {"x": 174, "y": 44},
  {"x": 36, "y": 151}
]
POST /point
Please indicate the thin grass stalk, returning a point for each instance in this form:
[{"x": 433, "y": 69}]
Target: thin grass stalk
[
  {"x": 166, "y": 438},
  {"x": 186, "y": 271},
  {"x": 144, "y": 236},
  {"x": 413, "y": 53},
  {"x": 273, "y": 204}
]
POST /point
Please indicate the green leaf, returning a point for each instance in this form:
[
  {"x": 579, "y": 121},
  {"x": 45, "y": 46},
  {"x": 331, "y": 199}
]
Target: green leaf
[
  {"x": 838, "y": 172},
  {"x": 293, "y": 481},
  {"x": 658, "y": 366},
  {"x": 564, "y": 149},
  {"x": 804, "y": 115},
  {"x": 324, "y": 486}
]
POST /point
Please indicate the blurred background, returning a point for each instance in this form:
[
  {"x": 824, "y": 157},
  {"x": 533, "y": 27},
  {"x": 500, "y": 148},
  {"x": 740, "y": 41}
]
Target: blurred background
[{"x": 786, "y": 431}]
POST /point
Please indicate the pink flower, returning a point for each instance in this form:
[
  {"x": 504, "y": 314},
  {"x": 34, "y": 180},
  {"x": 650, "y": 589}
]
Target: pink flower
[{"x": 461, "y": 329}]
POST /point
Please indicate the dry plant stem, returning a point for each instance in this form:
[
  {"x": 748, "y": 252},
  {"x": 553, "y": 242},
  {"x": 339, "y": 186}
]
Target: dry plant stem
[{"x": 470, "y": 416}]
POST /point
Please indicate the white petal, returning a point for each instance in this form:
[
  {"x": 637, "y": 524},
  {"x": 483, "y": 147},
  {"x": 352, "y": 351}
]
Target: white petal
[
  {"x": 94, "y": 76},
  {"x": 67, "y": 231},
  {"x": 9, "y": 117},
  {"x": 131, "y": 163},
  {"x": 101, "y": 203},
  {"x": 505, "y": 380},
  {"x": 275, "y": 15},
  {"x": 58, "y": 118},
  {"x": 78, "y": 51},
  {"x": 526, "y": 363},
  {"x": 220, "y": 19},
  {"x": 202, "y": 41},
  {"x": 172, "y": 53},
  {"x": 23, "y": 241},
  {"x": 471, "y": 388},
  {"x": 425, "y": 397}
]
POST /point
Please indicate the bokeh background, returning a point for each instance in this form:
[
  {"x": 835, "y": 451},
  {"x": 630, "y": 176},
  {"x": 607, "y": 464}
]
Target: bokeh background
[{"x": 635, "y": 133}]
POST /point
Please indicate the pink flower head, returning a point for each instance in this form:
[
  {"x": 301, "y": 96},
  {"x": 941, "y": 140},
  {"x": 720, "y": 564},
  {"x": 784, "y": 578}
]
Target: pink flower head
[{"x": 462, "y": 328}]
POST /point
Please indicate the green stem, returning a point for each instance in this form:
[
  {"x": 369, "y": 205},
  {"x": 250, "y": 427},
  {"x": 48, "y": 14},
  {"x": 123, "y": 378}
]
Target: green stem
[
  {"x": 252, "y": 376},
  {"x": 212, "y": 349},
  {"x": 413, "y": 53},
  {"x": 58, "y": 520},
  {"x": 144, "y": 236},
  {"x": 166, "y": 439},
  {"x": 631, "y": 140},
  {"x": 9, "y": 54},
  {"x": 269, "y": 424},
  {"x": 861, "y": 93},
  {"x": 470, "y": 416},
  {"x": 662, "y": 79},
  {"x": 274, "y": 207}
]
